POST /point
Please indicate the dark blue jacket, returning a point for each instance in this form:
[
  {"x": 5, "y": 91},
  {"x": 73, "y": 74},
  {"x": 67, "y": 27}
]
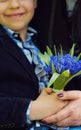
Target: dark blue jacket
[{"x": 18, "y": 83}]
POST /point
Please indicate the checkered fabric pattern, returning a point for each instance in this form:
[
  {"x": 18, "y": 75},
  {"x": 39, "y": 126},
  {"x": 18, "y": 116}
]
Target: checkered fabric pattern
[{"x": 31, "y": 52}]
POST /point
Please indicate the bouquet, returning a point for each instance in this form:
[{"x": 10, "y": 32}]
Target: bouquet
[{"x": 61, "y": 67}]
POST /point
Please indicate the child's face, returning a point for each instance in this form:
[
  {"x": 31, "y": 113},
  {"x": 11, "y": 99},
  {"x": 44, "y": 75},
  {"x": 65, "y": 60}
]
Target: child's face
[{"x": 16, "y": 14}]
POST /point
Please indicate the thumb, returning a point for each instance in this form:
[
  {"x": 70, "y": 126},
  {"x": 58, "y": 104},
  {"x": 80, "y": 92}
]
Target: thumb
[
  {"x": 69, "y": 95},
  {"x": 49, "y": 90}
]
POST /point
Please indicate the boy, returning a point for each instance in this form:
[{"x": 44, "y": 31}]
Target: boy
[{"x": 20, "y": 69}]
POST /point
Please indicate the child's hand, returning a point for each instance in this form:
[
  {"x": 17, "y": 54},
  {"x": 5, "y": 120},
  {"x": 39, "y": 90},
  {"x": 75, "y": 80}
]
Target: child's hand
[
  {"x": 45, "y": 105},
  {"x": 69, "y": 115},
  {"x": 49, "y": 90}
]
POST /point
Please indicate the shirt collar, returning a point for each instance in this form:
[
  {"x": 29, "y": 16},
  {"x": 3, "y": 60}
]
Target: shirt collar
[{"x": 31, "y": 33}]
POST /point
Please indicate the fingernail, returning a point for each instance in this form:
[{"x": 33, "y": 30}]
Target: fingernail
[
  {"x": 45, "y": 122},
  {"x": 60, "y": 95}
]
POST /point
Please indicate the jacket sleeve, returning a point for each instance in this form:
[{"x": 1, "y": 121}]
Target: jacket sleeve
[{"x": 13, "y": 111}]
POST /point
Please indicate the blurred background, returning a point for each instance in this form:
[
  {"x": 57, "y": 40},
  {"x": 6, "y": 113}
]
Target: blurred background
[{"x": 58, "y": 22}]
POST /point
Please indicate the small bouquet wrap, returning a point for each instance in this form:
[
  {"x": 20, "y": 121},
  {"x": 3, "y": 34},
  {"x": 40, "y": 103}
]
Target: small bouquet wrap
[{"x": 61, "y": 67}]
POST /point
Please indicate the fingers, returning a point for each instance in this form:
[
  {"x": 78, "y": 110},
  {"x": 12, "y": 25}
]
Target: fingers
[
  {"x": 69, "y": 95},
  {"x": 61, "y": 115},
  {"x": 63, "y": 118},
  {"x": 49, "y": 90},
  {"x": 65, "y": 122},
  {"x": 69, "y": 121}
]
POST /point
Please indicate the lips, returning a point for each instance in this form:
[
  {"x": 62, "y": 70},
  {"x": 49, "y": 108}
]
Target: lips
[{"x": 14, "y": 15}]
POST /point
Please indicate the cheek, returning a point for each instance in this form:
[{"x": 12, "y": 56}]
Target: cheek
[
  {"x": 30, "y": 15},
  {"x": 29, "y": 5},
  {"x": 30, "y": 10},
  {"x": 3, "y": 8},
  {"x": 2, "y": 12}
]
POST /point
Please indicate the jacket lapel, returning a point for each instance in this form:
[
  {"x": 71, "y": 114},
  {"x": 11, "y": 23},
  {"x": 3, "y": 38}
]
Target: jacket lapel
[{"x": 11, "y": 48}]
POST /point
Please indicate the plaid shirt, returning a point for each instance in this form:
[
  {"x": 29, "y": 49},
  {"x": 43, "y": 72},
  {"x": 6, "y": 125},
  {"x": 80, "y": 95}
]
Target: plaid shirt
[{"x": 31, "y": 51}]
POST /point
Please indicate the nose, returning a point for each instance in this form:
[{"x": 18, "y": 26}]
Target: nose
[{"x": 14, "y": 4}]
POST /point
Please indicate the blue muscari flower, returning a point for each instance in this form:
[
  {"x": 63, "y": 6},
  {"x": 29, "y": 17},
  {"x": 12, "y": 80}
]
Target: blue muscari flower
[
  {"x": 54, "y": 61},
  {"x": 62, "y": 63},
  {"x": 78, "y": 66},
  {"x": 48, "y": 69}
]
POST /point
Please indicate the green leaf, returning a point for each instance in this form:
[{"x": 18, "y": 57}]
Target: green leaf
[
  {"x": 53, "y": 68},
  {"x": 53, "y": 78},
  {"x": 72, "y": 50},
  {"x": 55, "y": 50},
  {"x": 49, "y": 51},
  {"x": 78, "y": 57},
  {"x": 45, "y": 57},
  {"x": 61, "y": 50},
  {"x": 66, "y": 73},
  {"x": 62, "y": 81}
]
